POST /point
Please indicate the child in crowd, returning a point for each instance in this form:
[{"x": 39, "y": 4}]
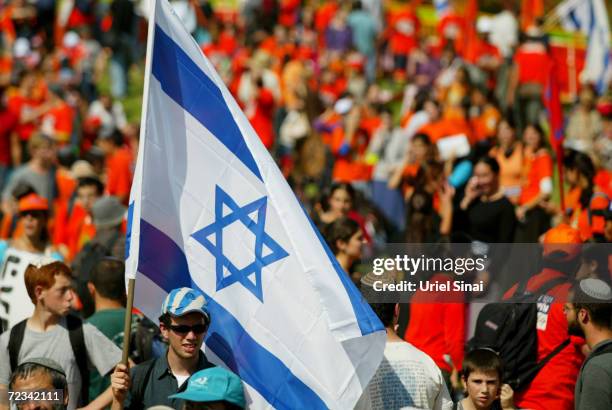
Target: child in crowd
[{"x": 482, "y": 377}]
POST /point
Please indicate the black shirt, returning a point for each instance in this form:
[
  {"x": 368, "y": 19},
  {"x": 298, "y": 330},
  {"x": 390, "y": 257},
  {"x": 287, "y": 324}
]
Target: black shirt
[
  {"x": 152, "y": 383},
  {"x": 490, "y": 222}
]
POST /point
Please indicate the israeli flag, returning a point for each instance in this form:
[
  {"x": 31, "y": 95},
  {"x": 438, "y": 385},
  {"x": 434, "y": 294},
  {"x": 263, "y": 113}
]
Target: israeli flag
[
  {"x": 209, "y": 209},
  {"x": 590, "y": 17},
  {"x": 442, "y": 7}
]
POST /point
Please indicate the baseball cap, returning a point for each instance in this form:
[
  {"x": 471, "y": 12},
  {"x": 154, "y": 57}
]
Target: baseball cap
[
  {"x": 181, "y": 301},
  {"x": 562, "y": 239},
  {"x": 33, "y": 202},
  {"x": 343, "y": 105},
  {"x": 213, "y": 384},
  {"x": 107, "y": 212},
  {"x": 83, "y": 169},
  {"x": 45, "y": 362}
]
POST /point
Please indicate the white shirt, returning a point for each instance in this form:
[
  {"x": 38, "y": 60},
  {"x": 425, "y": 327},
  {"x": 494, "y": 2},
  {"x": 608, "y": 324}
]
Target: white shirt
[
  {"x": 406, "y": 378},
  {"x": 504, "y": 32}
]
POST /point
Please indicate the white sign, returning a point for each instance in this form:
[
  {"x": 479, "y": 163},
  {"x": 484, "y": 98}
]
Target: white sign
[
  {"x": 15, "y": 304},
  {"x": 455, "y": 146}
]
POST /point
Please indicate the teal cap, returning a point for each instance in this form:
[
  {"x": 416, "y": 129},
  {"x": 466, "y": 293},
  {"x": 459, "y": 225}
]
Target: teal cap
[{"x": 213, "y": 384}]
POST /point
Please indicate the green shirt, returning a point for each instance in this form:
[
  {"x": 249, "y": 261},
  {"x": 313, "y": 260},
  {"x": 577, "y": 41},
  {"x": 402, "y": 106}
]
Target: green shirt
[{"x": 110, "y": 323}]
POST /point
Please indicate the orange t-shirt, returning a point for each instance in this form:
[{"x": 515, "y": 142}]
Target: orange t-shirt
[
  {"x": 119, "y": 172},
  {"x": 485, "y": 125},
  {"x": 435, "y": 130},
  {"x": 346, "y": 167},
  {"x": 17, "y": 103},
  {"x": 227, "y": 43},
  {"x": 6, "y": 65},
  {"x": 68, "y": 227},
  {"x": 445, "y": 128},
  {"x": 533, "y": 66},
  {"x": 288, "y": 12},
  {"x": 261, "y": 120},
  {"x": 510, "y": 171},
  {"x": 452, "y": 22},
  {"x": 63, "y": 117},
  {"x": 370, "y": 125},
  {"x": 536, "y": 167},
  {"x": 404, "y": 28},
  {"x": 438, "y": 329},
  {"x": 6, "y": 22},
  {"x": 323, "y": 17},
  {"x": 603, "y": 181},
  {"x": 268, "y": 44},
  {"x": 88, "y": 231}
]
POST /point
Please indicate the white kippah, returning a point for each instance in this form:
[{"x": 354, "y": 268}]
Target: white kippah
[{"x": 597, "y": 289}]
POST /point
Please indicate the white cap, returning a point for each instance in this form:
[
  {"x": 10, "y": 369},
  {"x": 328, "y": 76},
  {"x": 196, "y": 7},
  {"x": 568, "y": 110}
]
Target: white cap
[
  {"x": 71, "y": 39},
  {"x": 597, "y": 289},
  {"x": 484, "y": 24},
  {"x": 343, "y": 106},
  {"x": 21, "y": 48}
]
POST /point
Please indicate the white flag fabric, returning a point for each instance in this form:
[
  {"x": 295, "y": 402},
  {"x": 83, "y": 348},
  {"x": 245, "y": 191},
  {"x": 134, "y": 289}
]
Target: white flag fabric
[
  {"x": 210, "y": 209},
  {"x": 590, "y": 17}
]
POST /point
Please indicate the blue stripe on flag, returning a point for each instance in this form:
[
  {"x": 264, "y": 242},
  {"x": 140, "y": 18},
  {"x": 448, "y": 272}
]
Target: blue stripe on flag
[
  {"x": 574, "y": 19},
  {"x": 226, "y": 337},
  {"x": 601, "y": 84},
  {"x": 128, "y": 234},
  {"x": 591, "y": 17},
  {"x": 191, "y": 88},
  {"x": 368, "y": 321}
]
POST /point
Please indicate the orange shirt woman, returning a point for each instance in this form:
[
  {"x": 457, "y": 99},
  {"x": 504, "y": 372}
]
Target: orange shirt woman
[
  {"x": 537, "y": 170},
  {"x": 509, "y": 155},
  {"x": 510, "y": 170}
]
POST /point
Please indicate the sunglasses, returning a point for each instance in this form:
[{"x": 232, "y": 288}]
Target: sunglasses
[
  {"x": 33, "y": 214},
  {"x": 184, "y": 329}
]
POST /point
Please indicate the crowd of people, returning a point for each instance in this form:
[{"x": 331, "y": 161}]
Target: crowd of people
[{"x": 388, "y": 129}]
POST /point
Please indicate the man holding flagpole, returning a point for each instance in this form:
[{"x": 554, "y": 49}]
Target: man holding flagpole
[
  {"x": 183, "y": 322},
  {"x": 211, "y": 211}
]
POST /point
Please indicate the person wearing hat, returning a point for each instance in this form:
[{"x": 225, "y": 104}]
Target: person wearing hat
[
  {"x": 215, "y": 388},
  {"x": 553, "y": 385},
  {"x": 53, "y": 333},
  {"x": 183, "y": 322},
  {"x": 41, "y": 374},
  {"x": 589, "y": 315},
  {"x": 107, "y": 214},
  {"x": 29, "y": 247}
]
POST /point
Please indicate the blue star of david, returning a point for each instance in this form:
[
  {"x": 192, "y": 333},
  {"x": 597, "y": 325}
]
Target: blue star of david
[{"x": 261, "y": 239}]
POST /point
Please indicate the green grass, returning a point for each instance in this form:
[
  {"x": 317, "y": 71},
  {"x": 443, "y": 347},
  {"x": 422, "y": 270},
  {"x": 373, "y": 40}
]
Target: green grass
[{"x": 132, "y": 104}]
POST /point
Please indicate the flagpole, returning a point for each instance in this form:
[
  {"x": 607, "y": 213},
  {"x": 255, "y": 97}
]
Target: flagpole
[
  {"x": 131, "y": 274},
  {"x": 561, "y": 177},
  {"x": 572, "y": 74}
]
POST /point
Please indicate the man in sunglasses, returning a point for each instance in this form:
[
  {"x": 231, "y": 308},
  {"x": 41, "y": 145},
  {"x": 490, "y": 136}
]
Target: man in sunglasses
[{"x": 183, "y": 322}]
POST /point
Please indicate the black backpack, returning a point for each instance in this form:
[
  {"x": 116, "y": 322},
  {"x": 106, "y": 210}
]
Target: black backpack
[
  {"x": 146, "y": 341},
  {"x": 92, "y": 253},
  {"x": 77, "y": 342},
  {"x": 510, "y": 329}
]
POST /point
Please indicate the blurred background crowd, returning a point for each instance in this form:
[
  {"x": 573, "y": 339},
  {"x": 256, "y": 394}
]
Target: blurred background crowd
[{"x": 393, "y": 121}]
